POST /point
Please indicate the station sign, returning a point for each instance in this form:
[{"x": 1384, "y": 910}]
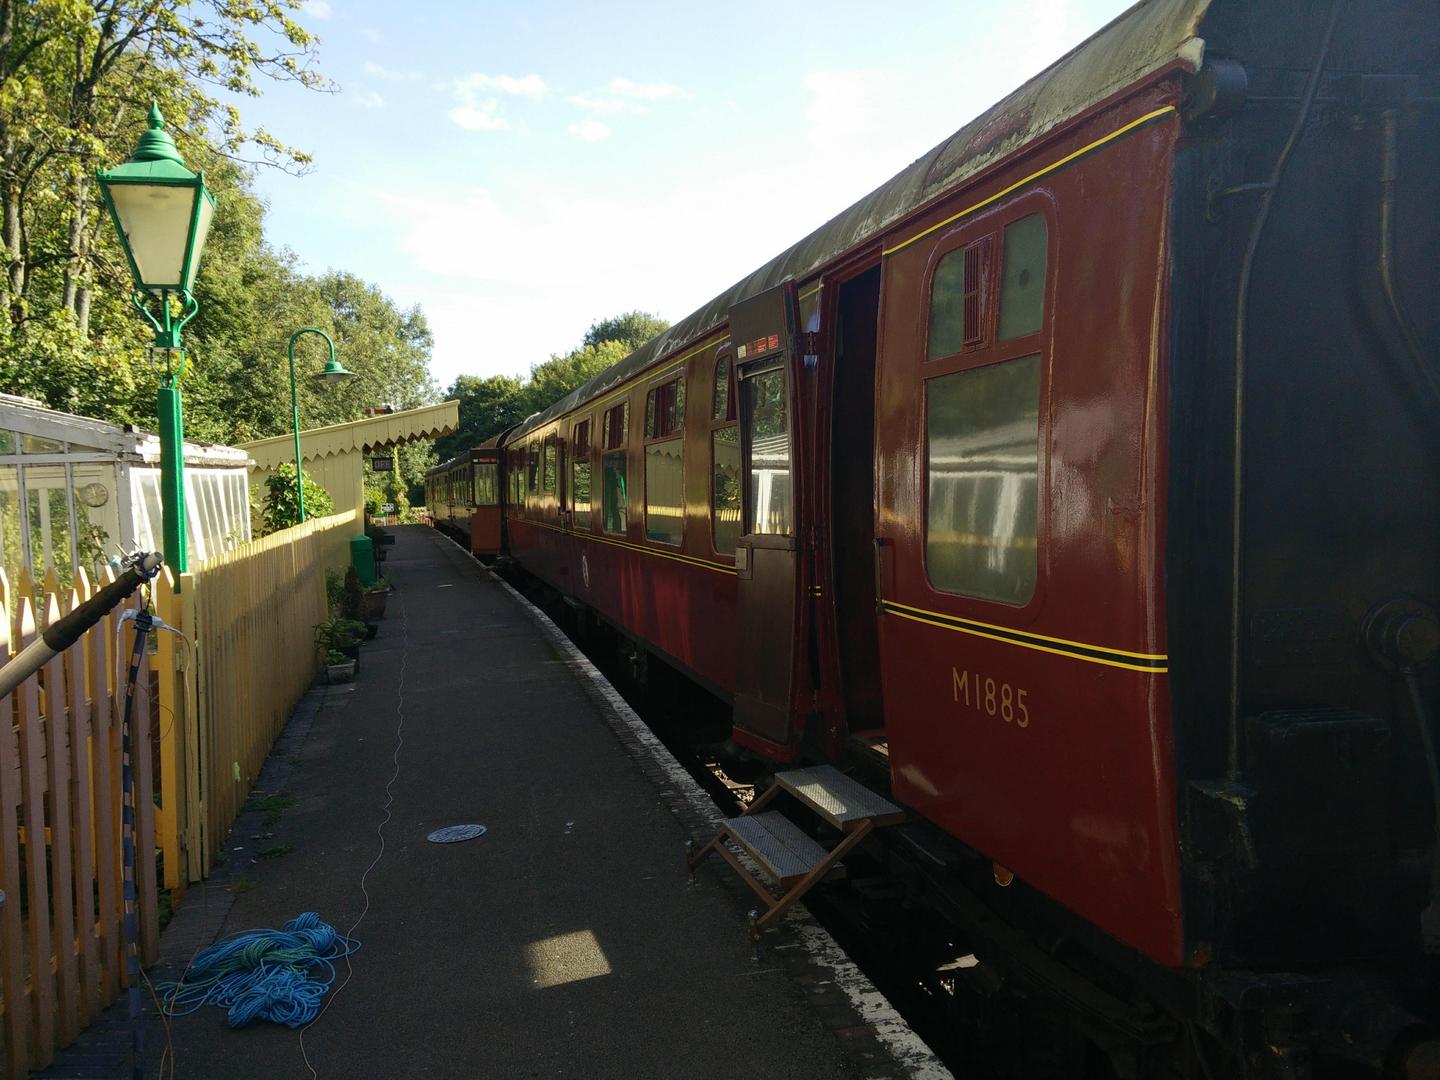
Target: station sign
[{"x": 382, "y": 464}]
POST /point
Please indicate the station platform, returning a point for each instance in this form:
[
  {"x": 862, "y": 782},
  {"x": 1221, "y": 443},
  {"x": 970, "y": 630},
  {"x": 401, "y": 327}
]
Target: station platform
[{"x": 564, "y": 942}]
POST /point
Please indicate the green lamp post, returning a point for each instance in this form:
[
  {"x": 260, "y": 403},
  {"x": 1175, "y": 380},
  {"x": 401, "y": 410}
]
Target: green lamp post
[
  {"x": 334, "y": 372},
  {"x": 162, "y": 213}
]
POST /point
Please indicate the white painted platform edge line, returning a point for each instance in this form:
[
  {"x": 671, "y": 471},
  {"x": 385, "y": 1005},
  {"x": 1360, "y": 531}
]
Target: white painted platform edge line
[{"x": 908, "y": 1050}]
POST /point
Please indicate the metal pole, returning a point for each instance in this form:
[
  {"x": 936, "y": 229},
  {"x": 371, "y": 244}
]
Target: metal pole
[
  {"x": 295, "y": 409},
  {"x": 168, "y": 406},
  {"x": 295, "y": 424}
]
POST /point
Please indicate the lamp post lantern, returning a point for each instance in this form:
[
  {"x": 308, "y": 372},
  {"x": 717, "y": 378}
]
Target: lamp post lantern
[
  {"x": 334, "y": 372},
  {"x": 162, "y": 213}
]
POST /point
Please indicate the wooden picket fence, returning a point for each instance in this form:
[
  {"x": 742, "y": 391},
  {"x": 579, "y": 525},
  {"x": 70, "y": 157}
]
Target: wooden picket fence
[
  {"x": 61, "y": 952},
  {"x": 207, "y": 711}
]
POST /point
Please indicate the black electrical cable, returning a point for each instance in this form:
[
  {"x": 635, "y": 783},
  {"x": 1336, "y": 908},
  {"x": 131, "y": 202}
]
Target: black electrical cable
[
  {"x": 1242, "y": 304},
  {"x": 143, "y": 625}
]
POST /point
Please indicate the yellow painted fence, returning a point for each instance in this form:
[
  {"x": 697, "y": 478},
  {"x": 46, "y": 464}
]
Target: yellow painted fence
[{"x": 208, "y": 709}]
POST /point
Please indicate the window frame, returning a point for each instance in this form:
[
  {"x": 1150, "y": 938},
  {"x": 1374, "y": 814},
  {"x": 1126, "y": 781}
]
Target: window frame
[
  {"x": 655, "y": 433},
  {"x": 585, "y": 453},
  {"x": 989, "y": 352},
  {"x": 731, "y": 419}
]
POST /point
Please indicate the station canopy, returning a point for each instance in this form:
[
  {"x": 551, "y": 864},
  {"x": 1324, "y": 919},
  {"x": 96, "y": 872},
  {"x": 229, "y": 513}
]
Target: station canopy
[{"x": 334, "y": 456}]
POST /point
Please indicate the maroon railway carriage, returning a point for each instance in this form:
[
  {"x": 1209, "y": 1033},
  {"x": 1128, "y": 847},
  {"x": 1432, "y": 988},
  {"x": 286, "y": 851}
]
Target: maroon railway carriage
[
  {"x": 951, "y": 477},
  {"x": 463, "y": 496}
]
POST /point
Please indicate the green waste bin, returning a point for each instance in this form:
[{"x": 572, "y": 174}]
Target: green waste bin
[{"x": 362, "y": 558}]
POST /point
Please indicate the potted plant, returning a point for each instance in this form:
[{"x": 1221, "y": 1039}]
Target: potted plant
[
  {"x": 338, "y": 667},
  {"x": 342, "y": 636},
  {"x": 375, "y": 597}
]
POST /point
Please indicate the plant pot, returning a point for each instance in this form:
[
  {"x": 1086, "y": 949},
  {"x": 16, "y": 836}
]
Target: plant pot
[
  {"x": 340, "y": 673},
  {"x": 371, "y": 629},
  {"x": 353, "y": 652},
  {"x": 375, "y": 604}
]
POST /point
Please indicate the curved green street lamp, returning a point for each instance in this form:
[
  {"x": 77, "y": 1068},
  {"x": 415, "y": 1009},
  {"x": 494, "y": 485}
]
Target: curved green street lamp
[
  {"x": 162, "y": 213},
  {"x": 334, "y": 372}
]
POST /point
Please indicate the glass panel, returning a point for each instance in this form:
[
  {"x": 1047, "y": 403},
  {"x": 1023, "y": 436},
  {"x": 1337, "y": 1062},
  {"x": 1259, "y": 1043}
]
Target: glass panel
[
  {"x": 947, "y": 303},
  {"x": 34, "y": 444},
  {"x": 725, "y": 488},
  {"x": 550, "y": 466},
  {"x": 983, "y": 460},
  {"x": 664, "y": 492},
  {"x": 580, "y": 488},
  {"x": 48, "y": 512},
  {"x": 721, "y": 408},
  {"x": 11, "y": 549},
  {"x": 534, "y": 469},
  {"x": 650, "y": 412},
  {"x": 97, "y": 523},
  {"x": 613, "y": 491},
  {"x": 487, "y": 492},
  {"x": 1022, "y": 285},
  {"x": 7, "y": 442},
  {"x": 769, "y": 484}
]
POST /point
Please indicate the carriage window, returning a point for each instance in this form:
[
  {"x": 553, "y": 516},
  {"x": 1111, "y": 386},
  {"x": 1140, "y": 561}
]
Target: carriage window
[
  {"x": 534, "y": 468},
  {"x": 724, "y": 406},
  {"x": 955, "y": 302},
  {"x": 1022, "y": 285},
  {"x": 769, "y": 483},
  {"x": 580, "y": 475},
  {"x": 665, "y": 409},
  {"x": 613, "y": 492},
  {"x": 613, "y": 430},
  {"x": 550, "y": 466},
  {"x": 982, "y": 465},
  {"x": 664, "y": 491},
  {"x": 725, "y": 488},
  {"x": 487, "y": 491}
]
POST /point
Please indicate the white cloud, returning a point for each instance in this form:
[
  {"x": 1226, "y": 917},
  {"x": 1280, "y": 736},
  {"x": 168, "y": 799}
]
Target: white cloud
[
  {"x": 368, "y": 99},
  {"x": 479, "y": 116},
  {"x": 376, "y": 71},
  {"x": 646, "y": 91},
  {"x": 479, "y": 109},
  {"x": 317, "y": 9},
  {"x": 529, "y": 86},
  {"x": 589, "y": 131},
  {"x": 606, "y": 105}
]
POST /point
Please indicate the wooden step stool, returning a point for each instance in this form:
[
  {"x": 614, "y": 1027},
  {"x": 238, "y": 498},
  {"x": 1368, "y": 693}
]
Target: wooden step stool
[{"x": 782, "y": 850}]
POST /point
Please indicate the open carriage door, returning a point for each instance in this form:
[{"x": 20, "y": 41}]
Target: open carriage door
[{"x": 767, "y": 553}]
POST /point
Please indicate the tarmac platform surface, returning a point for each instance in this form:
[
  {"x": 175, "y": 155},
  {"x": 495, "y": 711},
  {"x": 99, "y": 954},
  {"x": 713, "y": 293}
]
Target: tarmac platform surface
[{"x": 564, "y": 942}]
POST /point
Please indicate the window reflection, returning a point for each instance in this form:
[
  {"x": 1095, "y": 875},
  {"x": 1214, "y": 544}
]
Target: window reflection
[
  {"x": 769, "y": 481},
  {"x": 983, "y": 434}
]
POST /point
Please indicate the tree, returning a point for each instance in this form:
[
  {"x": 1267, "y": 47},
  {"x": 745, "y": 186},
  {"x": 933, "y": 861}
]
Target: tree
[
  {"x": 282, "y": 508},
  {"x": 487, "y": 407},
  {"x": 632, "y": 330}
]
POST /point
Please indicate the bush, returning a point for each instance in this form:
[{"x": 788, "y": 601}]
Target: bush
[
  {"x": 352, "y": 603},
  {"x": 282, "y": 508}
]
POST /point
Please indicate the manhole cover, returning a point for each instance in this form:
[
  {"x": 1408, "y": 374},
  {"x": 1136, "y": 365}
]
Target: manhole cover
[{"x": 453, "y": 834}]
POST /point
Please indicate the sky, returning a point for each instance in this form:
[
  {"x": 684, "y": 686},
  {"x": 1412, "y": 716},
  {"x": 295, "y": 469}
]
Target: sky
[{"x": 523, "y": 170}]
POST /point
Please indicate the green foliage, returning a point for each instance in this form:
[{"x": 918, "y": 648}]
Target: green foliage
[
  {"x": 632, "y": 330},
  {"x": 352, "y": 598},
  {"x": 490, "y": 405},
  {"x": 336, "y": 634},
  {"x": 282, "y": 508},
  {"x": 76, "y": 81}
]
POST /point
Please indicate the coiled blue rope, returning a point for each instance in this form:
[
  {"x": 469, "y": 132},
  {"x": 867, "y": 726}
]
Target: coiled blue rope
[{"x": 277, "y": 975}]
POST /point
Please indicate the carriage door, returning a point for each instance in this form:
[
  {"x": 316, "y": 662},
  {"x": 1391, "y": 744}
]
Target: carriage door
[{"x": 767, "y": 553}]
